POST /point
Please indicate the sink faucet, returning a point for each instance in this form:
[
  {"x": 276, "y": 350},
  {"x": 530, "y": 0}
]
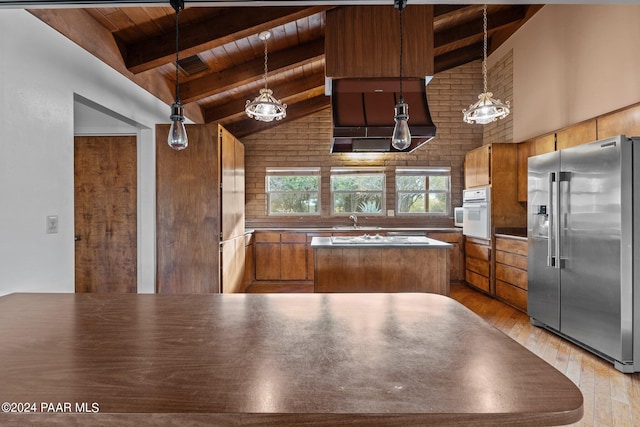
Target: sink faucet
[{"x": 354, "y": 218}]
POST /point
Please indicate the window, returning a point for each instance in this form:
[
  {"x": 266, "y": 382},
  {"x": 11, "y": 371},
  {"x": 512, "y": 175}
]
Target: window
[
  {"x": 357, "y": 190},
  {"x": 293, "y": 191},
  {"x": 423, "y": 191}
]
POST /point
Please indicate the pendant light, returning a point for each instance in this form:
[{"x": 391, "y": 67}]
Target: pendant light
[
  {"x": 401, "y": 138},
  {"x": 487, "y": 109},
  {"x": 265, "y": 107},
  {"x": 177, "y": 133}
]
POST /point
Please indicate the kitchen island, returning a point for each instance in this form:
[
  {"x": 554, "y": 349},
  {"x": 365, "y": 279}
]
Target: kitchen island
[
  {"x": 374, "y": 263},
  {"x": 268, "y": 360}
]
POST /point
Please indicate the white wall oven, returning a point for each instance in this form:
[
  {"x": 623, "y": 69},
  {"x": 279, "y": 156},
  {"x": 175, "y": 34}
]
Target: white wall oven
[{"x": 476, "y": 206}]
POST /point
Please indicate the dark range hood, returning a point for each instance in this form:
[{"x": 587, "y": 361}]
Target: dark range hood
[{"x": 363, "y": 111}]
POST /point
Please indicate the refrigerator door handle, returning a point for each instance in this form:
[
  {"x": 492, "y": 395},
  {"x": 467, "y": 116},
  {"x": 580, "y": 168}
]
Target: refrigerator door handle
[
  {"x": 551, "y": 207},
  {"x": 562, "y": 216}
]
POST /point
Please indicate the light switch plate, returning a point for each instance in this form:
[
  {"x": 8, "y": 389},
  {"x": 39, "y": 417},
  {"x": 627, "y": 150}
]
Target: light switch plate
[{"x": 52, "y": 224}]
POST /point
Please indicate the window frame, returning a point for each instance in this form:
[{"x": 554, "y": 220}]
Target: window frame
[
  {"x": 426, "y": 172},
  {"x": 343, "y": 171},
  {"x": 292, "y": 171}
]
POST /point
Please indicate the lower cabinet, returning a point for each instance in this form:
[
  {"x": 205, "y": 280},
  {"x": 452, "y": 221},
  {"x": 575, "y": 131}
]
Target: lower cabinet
[
  {"x": 456, "y": 260},
  {"x": 281, "y": 256},
  {"x": 478, "y": 263},
  {"x": 511, "y": 271}
]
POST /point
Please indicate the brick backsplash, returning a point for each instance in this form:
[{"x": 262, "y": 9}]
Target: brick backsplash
[
  {"x": 500, "y": 82},
  {"x": 306, "y": 142}
]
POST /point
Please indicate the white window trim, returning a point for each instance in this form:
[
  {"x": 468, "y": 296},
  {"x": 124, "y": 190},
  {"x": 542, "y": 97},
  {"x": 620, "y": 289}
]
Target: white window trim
[
  {"x": 336, "y": 171},
  {"x": 293, "y": 171},
  {"x": 424, "y": 171}
]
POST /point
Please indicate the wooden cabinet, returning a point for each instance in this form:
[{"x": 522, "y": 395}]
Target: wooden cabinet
[
  {"x": 511, "y": 271},
  {"x": 478, "y": 263},
  {"x": 577, "y": 134},
  {"x": 192, "y": 213},
  {"x": 477, "y": 167},
  {"x": 621, "y": 122},
  {"x": 456, "y": 253},
  {"x": 281, "y": 256},
  {"x": 529, "y": 148}
]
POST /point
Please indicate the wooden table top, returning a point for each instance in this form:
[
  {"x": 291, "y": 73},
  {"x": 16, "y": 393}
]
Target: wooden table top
[{"x": 279, "y": 359}]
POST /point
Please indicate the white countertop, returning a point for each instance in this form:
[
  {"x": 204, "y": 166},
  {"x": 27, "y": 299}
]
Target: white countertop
[{"x": 377, "y": 241}]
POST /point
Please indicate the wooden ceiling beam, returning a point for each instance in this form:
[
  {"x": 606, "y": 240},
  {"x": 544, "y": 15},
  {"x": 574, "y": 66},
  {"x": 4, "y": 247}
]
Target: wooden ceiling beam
[
  {"x": 231, "y": 25},
  {"x": 224, "y": 80},
  {"x": 495, "y": 22},
  {"x": 248, "y": 126},
  {"x": 457, "y": 57},
  {"x": 444, "y": 9},
  {"x": 284, "y": 91}
]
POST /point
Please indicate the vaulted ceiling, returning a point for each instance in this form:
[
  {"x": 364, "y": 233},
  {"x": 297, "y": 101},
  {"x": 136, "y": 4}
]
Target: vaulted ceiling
[{"x": 222, "y": 58}]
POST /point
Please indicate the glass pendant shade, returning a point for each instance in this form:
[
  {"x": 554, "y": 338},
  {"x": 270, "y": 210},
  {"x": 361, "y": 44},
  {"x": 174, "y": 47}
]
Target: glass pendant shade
[
  {"x": 265, "y": 107},
  {"x": 401, "y": 139},
  {"x": 177, "y": 133},
  {"x": 486, "y": 110}
]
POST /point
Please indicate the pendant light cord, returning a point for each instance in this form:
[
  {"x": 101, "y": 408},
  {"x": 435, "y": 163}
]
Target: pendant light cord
[
  {"x": 484, "y": 49},
  {"x": 177, "y": 57},
  {"x": 400, "y": 7}
]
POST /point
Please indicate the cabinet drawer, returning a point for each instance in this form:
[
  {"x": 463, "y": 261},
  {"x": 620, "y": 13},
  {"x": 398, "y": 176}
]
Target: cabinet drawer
[
  {"x": 512, "y": 295},
  {"x": 513, "y": 260},
  {"x": 477, "y": 251},
  {"x": 511, "y": 245},
  {"x": 478, "y": 266},
  {"x": 267, "y": 237},
  {"x": 293, "y": 237},
  {"x": 511, "y": 275},
  {"x": 477, "y": 280}
]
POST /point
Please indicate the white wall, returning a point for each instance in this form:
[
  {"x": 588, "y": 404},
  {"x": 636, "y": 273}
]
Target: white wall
[
  {"x": 40, "y": 71},
  {"x": 572, "y": 63}
]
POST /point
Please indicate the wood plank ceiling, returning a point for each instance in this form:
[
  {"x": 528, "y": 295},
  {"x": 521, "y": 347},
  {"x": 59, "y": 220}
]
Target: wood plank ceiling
[{"x": 222, "y": 58}]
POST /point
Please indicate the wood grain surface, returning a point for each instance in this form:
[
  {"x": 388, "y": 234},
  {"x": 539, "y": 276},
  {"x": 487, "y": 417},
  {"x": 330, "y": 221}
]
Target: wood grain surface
[
  {"x": 105, "y": 213},
  {"x": 320, "y": 359}
]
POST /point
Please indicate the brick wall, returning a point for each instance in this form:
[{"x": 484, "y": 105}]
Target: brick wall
[
  {"x": 306, "y": 142},
  {"x": 500, "y": 82}
]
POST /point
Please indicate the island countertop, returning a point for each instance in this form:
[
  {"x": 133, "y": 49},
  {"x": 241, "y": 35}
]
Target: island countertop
[
  {"x": 377, "y": 241},
  {"x": 269, "y": 360}
]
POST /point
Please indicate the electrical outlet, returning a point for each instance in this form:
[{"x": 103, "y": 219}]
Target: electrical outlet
[
  {"x": 390, "y": 212},
  {"x": 52, "y": 224}
]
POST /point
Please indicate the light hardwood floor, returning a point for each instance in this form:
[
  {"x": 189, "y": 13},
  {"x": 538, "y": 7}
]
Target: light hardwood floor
[{"x": 611, "y": 398}]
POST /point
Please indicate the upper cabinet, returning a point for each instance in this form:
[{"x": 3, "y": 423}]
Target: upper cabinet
[
  {"x": 621, "y": 122},
  {"x": 477, "y": 167},
  {"x": 577, "y": 134},
  {"x": 529, "y": 148},
  {"x": 495, "y": 165}
]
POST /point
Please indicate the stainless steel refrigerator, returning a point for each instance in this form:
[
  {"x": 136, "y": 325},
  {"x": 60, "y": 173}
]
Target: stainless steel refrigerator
[{"x": 582, "y": 206}]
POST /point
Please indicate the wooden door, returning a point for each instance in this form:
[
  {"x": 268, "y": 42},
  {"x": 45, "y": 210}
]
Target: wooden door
[
  {"x": 187, "y": 213},
  {"x": 105, "y": 199}
]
